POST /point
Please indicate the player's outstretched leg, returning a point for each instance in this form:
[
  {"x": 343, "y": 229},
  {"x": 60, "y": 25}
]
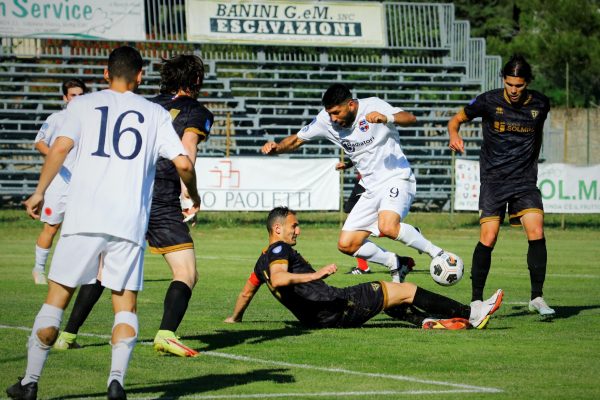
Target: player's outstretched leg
[
  {"x": 399, "y": 266},
  {"x": 444, "y": 312}
]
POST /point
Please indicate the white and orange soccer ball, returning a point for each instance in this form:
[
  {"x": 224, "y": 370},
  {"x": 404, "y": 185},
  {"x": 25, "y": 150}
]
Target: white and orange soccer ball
[{"x": 446, "y": 269}]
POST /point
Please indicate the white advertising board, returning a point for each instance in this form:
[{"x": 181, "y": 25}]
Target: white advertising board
[
  {"x": 73, "y": 19},
  {"x": 309, "y": 23},
  {"x": 261, "y": 183},
  {"x": 565, "y": 188}
]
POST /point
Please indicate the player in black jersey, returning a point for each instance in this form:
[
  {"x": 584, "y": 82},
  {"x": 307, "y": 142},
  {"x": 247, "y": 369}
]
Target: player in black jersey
[
  {"x": 181, "y": 81},
  {"x": 302, "y": 290},
  {"x": 512, "y": 123}
]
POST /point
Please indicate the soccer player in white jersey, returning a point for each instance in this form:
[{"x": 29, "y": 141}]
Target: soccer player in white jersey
[
  {"x": 56, "y": 195},
  {"x": 365, "y": 129},
  {"x": 118, "y": 137}
]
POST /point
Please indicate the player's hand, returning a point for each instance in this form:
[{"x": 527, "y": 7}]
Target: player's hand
[
  {"x": 376, "y": 118},
  {"x": 456, "y": 143},
  {"x": 326, "y": 271},
  {"x": 343, "y": 165},
  {"x": 33, "y": 205},
  {"x": 269, "y": 148}
]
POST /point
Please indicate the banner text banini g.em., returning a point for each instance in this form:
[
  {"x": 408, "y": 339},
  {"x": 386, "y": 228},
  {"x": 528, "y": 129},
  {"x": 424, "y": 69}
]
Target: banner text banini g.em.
[{"x": 306, "y": 23}]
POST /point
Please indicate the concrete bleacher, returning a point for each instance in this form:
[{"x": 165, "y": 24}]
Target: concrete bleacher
[{"x": 261, "y": 93}]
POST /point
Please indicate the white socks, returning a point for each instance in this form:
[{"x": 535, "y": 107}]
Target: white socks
[
  {"x": 41, "y": 256},
  {"x": 121, "y": 351},
  {"x": 413, "y": 238},
  {"x": 37, "y": 352},
  {"x": 373, "y": 253}
]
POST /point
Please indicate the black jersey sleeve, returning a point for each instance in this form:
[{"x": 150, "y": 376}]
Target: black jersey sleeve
[
  {"x": 476, "y": 108},
  {"x": 200, "y": 121}
]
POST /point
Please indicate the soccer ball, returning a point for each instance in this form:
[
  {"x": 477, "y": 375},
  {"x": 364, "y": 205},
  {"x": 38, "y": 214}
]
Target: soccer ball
[{"x": 446, "y": 269}]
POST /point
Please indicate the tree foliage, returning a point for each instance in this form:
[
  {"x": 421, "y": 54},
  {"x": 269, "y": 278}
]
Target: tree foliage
[{"x": 550, "y": 34}]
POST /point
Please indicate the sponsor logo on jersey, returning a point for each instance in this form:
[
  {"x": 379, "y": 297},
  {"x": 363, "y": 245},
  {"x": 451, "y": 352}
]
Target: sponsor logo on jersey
[
  {"x": 501, "y": 126},
  {"x": 375, "y": 286},
  {"x": 499, "y": 111},
  {"x": 351, "y": 147},
  {"x": 44, "y": 127},
  {"x": 535, "y": 113},
  {"x": 207, "y": 126},
  {"x": 277, "y": 249},
  {"x": 363, "y": 125}
]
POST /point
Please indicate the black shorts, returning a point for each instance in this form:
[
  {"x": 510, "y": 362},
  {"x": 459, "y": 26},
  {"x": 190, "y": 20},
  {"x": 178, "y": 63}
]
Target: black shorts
[
  {"x": 363, "y": 302},
  {"x": 167, "y": 232},
  {"x": 521, "y": 200},
  {"x": 357, "y": 191}
]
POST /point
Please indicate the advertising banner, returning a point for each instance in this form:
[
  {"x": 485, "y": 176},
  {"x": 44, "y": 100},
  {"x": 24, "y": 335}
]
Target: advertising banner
[
  {"x": 565, "y": 188},
  {"x": 309, "y": 23},
  {"x": 73, "y": 19},
  {"x": 261, "y": 183}
]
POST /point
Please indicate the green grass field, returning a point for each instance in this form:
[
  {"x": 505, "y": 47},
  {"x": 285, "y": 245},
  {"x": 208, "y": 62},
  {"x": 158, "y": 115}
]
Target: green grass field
[{"x": 270, "y": 356}]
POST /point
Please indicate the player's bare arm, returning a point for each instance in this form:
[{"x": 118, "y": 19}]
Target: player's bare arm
[
  {"x": 287, "y": 145},
  {"x": 54, "y": 160},
  {"x": 242, "y": 303},
  {"x": 42, "y": 147},
  {"x": 281, "y": 277},
  {"x": 401, "y": 118},
  {"x": 456, "y": 142},
  {"x": 185, "y": 169},
  {"x": 190, "y": 142}
]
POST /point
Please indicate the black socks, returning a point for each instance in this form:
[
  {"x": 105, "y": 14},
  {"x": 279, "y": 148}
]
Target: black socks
[
  {"x": 439, "y": 306},
  {"x": 176, "y": 303},
  {"x": 537, "y": 258},
  {"x": 482, "y": 260},
  {"x": 87, "y": 297}
]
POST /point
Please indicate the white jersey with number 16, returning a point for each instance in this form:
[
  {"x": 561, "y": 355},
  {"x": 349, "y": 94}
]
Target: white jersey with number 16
[{"x": 118, "y": 138}]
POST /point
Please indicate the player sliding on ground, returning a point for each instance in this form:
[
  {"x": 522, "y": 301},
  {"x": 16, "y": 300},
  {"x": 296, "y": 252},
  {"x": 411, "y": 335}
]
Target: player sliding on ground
[
  {"x": 366, "y": 130},
  {"x": 302, "y": 290}
]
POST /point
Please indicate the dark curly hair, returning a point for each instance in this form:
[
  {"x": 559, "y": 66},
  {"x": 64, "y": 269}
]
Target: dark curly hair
[{"x": 185, "y": 72}]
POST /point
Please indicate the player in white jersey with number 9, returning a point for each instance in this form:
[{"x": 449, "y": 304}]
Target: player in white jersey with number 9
[
  {"x": 118, "y": 137},
  {"x": 365, "y": 129}
]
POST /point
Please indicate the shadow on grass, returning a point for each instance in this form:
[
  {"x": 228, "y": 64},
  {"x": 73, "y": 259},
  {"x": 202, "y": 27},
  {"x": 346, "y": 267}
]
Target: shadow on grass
[
  {"x": 228, "y": 338},
  {"x": 562, "y": 312},
  {"x": 174, "y": 389}
]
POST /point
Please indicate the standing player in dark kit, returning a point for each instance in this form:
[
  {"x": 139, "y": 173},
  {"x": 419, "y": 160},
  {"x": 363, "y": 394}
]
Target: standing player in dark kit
[
  {"x": 512, "y": 122},
  {"x": 181, "y": 81}
]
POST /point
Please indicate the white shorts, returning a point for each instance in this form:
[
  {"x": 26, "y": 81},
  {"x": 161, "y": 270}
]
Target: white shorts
[
  {"x": 76, "y": 258},
  {"x": 53, "y": 211},
  {"x": 394, "y": 195}
]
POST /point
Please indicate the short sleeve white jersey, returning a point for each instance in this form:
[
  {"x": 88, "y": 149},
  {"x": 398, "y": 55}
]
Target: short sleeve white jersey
[
  {"x": 118, "y": 138},
  {"x": 47, "y": 134},
  {"x": 374, "y": 149}
]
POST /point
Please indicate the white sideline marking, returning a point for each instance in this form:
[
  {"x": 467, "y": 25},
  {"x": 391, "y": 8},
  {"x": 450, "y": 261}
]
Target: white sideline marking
[
  {"x": 321, "y": 394},
  {"x": 460, "y": 388}
]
